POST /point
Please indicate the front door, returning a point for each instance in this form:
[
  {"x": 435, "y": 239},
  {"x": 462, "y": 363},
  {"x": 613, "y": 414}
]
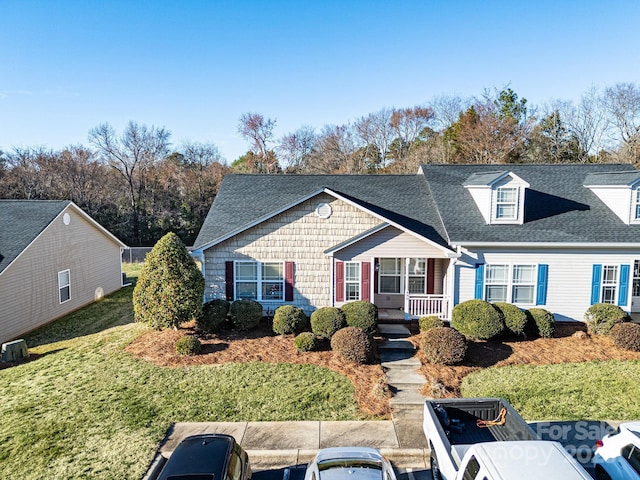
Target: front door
[{"x": 635, "y": 298}]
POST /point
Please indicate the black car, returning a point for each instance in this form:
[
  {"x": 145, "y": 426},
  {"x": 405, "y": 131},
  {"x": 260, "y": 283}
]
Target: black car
[{"x": 207, "y": 457}]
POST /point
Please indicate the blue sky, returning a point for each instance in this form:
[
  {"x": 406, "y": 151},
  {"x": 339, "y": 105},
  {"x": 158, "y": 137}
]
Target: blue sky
[{"x": 195, "y": 66}]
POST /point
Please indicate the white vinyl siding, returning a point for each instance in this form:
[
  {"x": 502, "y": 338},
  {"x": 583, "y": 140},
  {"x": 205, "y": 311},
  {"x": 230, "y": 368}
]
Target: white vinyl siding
[
  {"x": 352, "y": 281},
  {"x": 259, "y": 280},
  {"x": 570, "y": 272}
]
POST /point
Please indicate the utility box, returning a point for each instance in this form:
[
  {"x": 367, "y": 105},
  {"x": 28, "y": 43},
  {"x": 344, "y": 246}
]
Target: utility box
[{"x": 13, "y": 351}]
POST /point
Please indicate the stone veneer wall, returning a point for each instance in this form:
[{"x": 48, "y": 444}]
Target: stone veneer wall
[{"x": 297, "y": 235}]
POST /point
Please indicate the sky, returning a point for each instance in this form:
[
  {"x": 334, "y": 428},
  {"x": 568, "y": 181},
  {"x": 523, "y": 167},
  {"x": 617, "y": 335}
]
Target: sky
[{"x": 195, "y": 66}]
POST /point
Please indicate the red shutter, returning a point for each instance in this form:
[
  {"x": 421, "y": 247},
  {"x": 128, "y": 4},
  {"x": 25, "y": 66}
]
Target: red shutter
[
  {"x": 228, "y": 280},
  {"x": 288, "y": 281},
  {"x": 365, "y": 284},
  {"x": 431, "y": 262},
  {"x": 339, "y": 282}
]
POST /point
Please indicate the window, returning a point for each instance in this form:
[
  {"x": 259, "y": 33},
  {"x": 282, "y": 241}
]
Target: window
[
  {"x": 510, "y": 283},
  {"x": 506, "y": 203},
  {"x": 64, "y": 286},
  {"x": 259, "y": 280},
  {"x": 636, "y": 204},
  {"x": 391, "y": 275},
  {"x": 473, "y": 467},
  {"x": 609, "y": 283},
  {"x": 352, "y": 281}
]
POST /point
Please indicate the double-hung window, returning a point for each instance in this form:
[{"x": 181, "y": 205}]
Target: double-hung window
[
  {"x": 352, "y": 281},
  {"x": 609, "y": 283},
  {"x": 510, "y": 283},
  {"x": 392, "y": 273},
  {"x": 636, "y": 204},
  {"x": 259, "y": 280},
  {"x": 64, "y": 286},
  {"x": 506, "y": 203}
]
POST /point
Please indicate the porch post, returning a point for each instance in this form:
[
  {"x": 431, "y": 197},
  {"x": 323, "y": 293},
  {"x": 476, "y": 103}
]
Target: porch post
[{"x": 407, "y": 313}]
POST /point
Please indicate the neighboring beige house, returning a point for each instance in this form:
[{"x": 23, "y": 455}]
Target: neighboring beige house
[{"x": 54, "y": 258}]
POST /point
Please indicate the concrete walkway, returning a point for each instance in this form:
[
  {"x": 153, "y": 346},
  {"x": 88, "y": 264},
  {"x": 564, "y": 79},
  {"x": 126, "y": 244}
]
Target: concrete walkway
[{"x": 397, "y": 357}]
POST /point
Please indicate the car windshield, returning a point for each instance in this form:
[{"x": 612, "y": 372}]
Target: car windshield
[{"x": 357, "y": 468}]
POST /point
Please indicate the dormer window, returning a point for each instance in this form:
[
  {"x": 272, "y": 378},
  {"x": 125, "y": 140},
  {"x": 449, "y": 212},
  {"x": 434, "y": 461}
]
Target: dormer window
[
  {"x": 636, "y": 204},
  {"x": 620, "y": 191},
  {"x": 506, "y": 205}
]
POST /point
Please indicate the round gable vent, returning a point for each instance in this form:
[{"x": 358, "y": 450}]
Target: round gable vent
[
  {"x": 66, "y": 219},
  {"x": 323, "y": 210}
]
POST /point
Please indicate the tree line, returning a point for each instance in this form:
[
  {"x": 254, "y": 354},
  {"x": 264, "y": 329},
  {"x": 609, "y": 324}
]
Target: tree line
[{"x": 139, "y": 187}]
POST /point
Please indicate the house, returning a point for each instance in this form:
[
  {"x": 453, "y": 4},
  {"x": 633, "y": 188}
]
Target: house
[
  {"x": 560, "y": 237},
  {"x": 54, "y": 258}
]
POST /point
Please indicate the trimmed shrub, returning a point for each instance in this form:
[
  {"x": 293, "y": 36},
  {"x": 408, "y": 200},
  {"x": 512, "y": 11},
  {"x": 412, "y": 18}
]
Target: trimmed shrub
[
  {"x": 353, "y": 344},
  {"x": 170, "y": 288},
  {"x": 601, "y": 317},
  {"x": 477, "y": 319},
  {"x": 361, "y": 314},
  {"x": 541, "y": 322},
  {"x": 444, "y": 345},
  {"x": 626, "y": 335},
  {"x": 245, "y": 314},
  {"x": 306, "y": 342},
  {"x": 515, "y": 319},
  {"x": 427, "y": 323},
  {"x": 289, "y": 319},
  {"x": 214, "y": 314},
  {"x": 188, "y": 345},
  {"x": 326, "y": 321}
]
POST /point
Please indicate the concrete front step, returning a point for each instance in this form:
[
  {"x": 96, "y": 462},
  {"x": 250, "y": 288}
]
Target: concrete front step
[
  {"x": 397, "y": 360},
  {"x": 406, "y": 397},
  {"x": 404, "y": 377},
  {"x": 393, "y": 329},
  {"x": 397, "y": 344}
]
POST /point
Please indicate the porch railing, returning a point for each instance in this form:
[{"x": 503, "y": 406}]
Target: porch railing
[{"x": 427, "y": 305}]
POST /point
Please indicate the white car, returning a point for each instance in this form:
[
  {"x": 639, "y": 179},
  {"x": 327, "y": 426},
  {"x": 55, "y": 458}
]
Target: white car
[
  {"x": 355, "y": 463},
  {"x": 617, "y": 455}
]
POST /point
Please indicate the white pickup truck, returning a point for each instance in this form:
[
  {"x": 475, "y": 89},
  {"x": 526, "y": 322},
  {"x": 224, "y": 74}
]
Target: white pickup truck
[{"x": 486, "y": 439}]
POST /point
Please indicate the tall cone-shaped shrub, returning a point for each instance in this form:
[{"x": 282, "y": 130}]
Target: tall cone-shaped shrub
[{"x": 170, "y": 289}]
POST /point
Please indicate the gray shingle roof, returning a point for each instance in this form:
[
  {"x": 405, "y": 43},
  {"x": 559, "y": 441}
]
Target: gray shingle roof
[
  {"x": 558, "y": 207},
  {"x": 21, "y": 221},
  {"x": 244, "y": 199},
  {"x": 612, "y": 178},
  {"x": 484, "y": 178}
]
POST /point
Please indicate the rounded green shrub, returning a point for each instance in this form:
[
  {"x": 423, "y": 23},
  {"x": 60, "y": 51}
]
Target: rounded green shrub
[
  {"x": 170, "y": 288},
  {"x": 245, "y": 314},
  {"x": 541, "y": 322},
  {"x": 326, "y": 321},
  {"x": 444, "y": 345},
  {"x": 515, "y": 319},
  {"x": 477, "y": 319},
  {"x": 427, "y": 323},
  {"x": 601, "y": 317},
  {"x": 213, "y": 315},
  {"x": 626, "y": 335},
  {"x": 289, "y": 319},
  {"x": 353, "y": 344},
  {"x": 306, "y": 342},
  {"x": 188, "y": 345},
  {"x": 361, "y": 314}
]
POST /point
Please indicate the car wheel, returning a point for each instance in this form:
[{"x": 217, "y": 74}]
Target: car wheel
[
  {"x": 601, "y": 474},
  {"x": 435, "y": 469}
]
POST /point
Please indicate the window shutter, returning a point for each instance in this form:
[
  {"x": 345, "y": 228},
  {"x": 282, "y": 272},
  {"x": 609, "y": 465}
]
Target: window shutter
[
  {"x": 365, "y": 282},
  {"x": 541, "y": 294},
  {"x": 431, "y": 264},
  {"x": 288, "y": 281},
  {"x": 595, "y": 284},
  {"x": 376, "y": 275},
  {"x": 624, "y": 285},
  {"x": 228, "y": 280},
  {"x": 479, "y": 289},
  {"x": 339, "y": 282}
]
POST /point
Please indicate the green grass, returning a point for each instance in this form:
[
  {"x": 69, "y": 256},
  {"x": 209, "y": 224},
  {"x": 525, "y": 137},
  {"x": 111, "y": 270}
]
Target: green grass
[
  {"x": 571, "y": 391},
  {"x": 85, "y": 409}
]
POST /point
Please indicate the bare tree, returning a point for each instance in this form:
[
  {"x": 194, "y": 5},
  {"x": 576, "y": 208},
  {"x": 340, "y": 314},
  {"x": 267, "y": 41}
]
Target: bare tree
[
  {"x": 296, "y": 148},
  {"x": 375, "y": 134},
  {"x": 622, "y": 103},
  {"x": 258, "y": 130},
  {"x": 132, "y": 155},
  {"x": 334, "y": 153},
  {"x": 587, "y": 123},
  {"x": 447, "y": 110},
  {"x": 409, "y": 125}
]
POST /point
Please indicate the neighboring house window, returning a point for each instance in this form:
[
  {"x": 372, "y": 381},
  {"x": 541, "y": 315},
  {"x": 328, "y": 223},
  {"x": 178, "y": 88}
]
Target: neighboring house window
[
  {"x": 352, "y": 281},
  {"x": 609, "y": 283},
  {"x": 510, "y": 283},
  {"x": 259, "y": 280},
  {"x": 391, "y": 275},
  {"x": 636, "y": 204},
  {"x": 64, "y": 286},
  {"x": 506, "y": 203}
]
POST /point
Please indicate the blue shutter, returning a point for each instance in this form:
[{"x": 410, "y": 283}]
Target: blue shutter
[
  {"x": 595, "y": 284},
  {"x": 624, "y": 285},
  {"x": 479, "y": 290},
  {"x": 541, "y": 294}
]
